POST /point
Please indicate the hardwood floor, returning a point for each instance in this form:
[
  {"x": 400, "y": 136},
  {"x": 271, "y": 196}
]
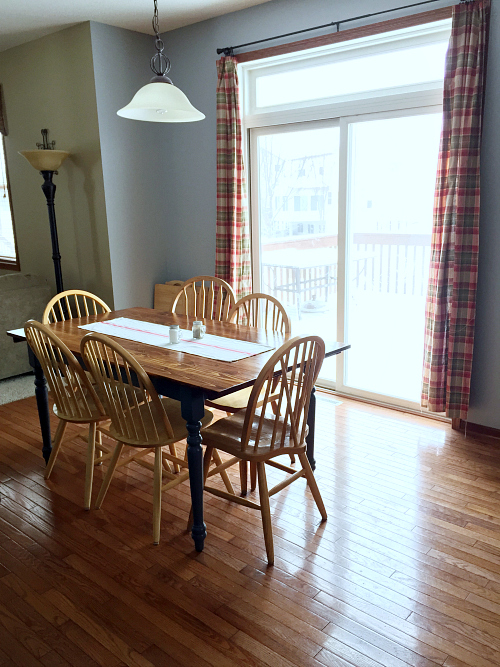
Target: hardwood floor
[{"x": 406, "y": 571}]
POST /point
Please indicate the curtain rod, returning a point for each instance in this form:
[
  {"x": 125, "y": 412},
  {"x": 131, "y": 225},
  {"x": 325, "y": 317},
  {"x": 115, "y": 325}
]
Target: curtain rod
[{"x": 228, "y": 50}]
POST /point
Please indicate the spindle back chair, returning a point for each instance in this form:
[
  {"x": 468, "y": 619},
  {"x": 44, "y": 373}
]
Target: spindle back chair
[
  {"x": 206, "y": 297},
  {"x": 255, "y": 310},
  {"x": 274, "y": 423},
  {"x": 76, "y": 400},
  {"x": 263, "y": 311},
  {"x": 139, "y": 417},
  {"x": 73, "y": 303}
]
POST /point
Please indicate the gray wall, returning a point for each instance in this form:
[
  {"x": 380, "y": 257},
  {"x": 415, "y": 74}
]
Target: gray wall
[
  {"x": 191, "y": 154},
  {"x": 136, "y": 166},
  {"x": 485, "y": 390},
  {"x": 49, "y": 83}
]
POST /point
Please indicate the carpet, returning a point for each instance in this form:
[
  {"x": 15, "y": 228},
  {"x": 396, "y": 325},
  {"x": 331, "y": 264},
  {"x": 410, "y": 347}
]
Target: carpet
[{"x": 17, "y": 388}]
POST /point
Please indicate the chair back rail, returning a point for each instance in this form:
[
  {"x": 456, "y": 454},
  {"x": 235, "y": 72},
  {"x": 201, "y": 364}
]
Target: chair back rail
[
  {"x": 206, "y": 297},
  {"x": 261, "y": 310},
  {"x": 131, "y": 401},
  {"x": 73, "y": 303},
  {"x": 280, "y": 398},
  {"x": 74, "y": 396}
]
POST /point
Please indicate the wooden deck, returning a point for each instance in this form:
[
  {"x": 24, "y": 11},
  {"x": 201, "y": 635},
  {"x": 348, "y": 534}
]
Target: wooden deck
[{"x": 406, "y": 571}]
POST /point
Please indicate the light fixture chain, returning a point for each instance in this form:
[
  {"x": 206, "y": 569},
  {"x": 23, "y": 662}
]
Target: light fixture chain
[{"x": 160, "y": 64}]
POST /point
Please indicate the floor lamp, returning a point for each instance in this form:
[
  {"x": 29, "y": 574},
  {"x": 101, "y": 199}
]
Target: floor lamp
[{"x": 47, "y": 161}]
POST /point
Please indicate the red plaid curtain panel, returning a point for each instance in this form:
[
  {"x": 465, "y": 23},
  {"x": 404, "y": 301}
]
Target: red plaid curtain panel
[
  {"x": 451, "y": 296},
  {"x": 232, "y": 260}
]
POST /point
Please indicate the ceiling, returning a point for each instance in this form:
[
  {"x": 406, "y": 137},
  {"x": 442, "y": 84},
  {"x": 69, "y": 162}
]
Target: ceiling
[{"x": 25, "y": 20}]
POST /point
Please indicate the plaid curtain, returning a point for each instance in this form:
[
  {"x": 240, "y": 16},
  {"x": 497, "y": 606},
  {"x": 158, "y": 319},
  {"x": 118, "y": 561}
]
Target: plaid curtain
[
  {"x": 232, "y": 259},
  {"x": 451, "y": 296}
]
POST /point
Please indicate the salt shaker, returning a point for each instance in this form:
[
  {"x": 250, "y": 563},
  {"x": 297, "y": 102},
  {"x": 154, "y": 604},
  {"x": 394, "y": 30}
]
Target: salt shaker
[
  {"x": 174, "y": 334},
  {"x": 198, "y": 329}
]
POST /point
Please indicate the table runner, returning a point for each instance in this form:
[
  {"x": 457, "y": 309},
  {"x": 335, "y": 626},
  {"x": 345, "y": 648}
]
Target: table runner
[{"x": 149, "y": 333}]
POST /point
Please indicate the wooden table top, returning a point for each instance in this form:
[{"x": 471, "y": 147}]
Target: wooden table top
[{"x": 215, "y": 377}]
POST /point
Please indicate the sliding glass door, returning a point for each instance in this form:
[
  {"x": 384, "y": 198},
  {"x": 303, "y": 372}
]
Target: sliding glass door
[
  {"x": 342, "y": 219},
  {"x": 295, "y": 200}
]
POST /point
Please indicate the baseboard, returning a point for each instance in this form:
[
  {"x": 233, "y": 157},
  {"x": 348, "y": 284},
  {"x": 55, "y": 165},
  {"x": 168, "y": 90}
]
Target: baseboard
[{"x": 477, "y": 429}]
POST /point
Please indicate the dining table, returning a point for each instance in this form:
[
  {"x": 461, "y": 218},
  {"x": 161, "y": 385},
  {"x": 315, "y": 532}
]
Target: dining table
[{"x": 190, "y": 379}]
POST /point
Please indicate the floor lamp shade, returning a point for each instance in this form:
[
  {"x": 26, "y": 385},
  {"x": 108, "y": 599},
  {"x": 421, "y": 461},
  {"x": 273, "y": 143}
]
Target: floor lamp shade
[{"x": 45, "y": 160}]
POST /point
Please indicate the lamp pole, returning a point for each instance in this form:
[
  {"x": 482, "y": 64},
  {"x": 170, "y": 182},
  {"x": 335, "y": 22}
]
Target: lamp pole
[{"x": 49, "y": 190}]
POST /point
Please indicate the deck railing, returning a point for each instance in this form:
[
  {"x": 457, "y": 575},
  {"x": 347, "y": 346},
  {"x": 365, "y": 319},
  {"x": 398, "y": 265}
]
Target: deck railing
[{"x": 380, "y": 262}]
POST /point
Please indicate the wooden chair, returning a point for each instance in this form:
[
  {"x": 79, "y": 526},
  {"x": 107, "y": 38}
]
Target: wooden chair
[
  {"x": 77, "y": 303},
  {"x": 206, "y": 297},
  {"x": 73, "y": 303},
  {"x": 76, "y": 400},
  {"x": 274, "y": 423},
  {"x": 263, "y": 311},
  {"x": 139, "y": 418},
  {"x": 266, "y": 312}
]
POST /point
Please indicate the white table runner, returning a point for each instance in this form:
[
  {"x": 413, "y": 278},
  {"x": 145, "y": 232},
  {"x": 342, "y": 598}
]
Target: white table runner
[{"x": 210, "y": 346}]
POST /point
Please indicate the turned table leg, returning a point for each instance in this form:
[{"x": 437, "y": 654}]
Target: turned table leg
[
  {"x": 193, "y": 409},
  {"x": 311, "y": 421},
  {"x": 42, "y": 402}
]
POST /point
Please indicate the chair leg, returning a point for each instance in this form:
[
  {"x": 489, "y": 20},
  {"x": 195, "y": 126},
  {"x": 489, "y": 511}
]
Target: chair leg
[
  {"x": 157, "y": 483},
  {"x": 56, "y": 445},
  {"x": 311, "y": 480},
  {"x": 225, "y": 477},
  {"x": 109, "y": 474},
  {"x": 265, "y": 510},
  {"x": 253, "y": 476},
  {"x": 89, "y": 472},
  {"x": 292, "y": 458},
  {"x": 243, "y": 477}
]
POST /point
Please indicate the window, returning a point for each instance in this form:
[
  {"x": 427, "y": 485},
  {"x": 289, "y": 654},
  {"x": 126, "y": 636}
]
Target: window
[
  {"x": 358, "y": 141},
  {"x": 8, "y": 248},
  {"x": 408, "y": 61},
  {"x": 316, "y": 202},
  {"x": 299, "y": 203},
  {"x": 399, "y": 67}
]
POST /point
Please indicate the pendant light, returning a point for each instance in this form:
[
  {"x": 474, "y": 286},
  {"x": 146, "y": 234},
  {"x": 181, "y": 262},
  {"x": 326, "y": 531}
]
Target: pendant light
[{"x": 160, "y": 101}]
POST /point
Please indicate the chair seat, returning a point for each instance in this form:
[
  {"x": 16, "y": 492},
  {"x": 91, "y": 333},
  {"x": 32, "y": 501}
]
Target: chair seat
[
  {"x": 156, "y": 435},
  {"x": 225, "y": 435},
  {"x": 233, "y": 402}
]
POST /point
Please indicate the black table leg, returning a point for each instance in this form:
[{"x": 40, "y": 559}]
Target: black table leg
[
  {"x": 311, "y": 421},
  {"x": 42, "y": 402},
  {"x": 193, "y": 409}
]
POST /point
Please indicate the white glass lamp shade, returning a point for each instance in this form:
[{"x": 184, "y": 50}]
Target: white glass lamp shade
[
  {"x": 161, "y": 102},
  {"x": 45, "y": 160}
]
